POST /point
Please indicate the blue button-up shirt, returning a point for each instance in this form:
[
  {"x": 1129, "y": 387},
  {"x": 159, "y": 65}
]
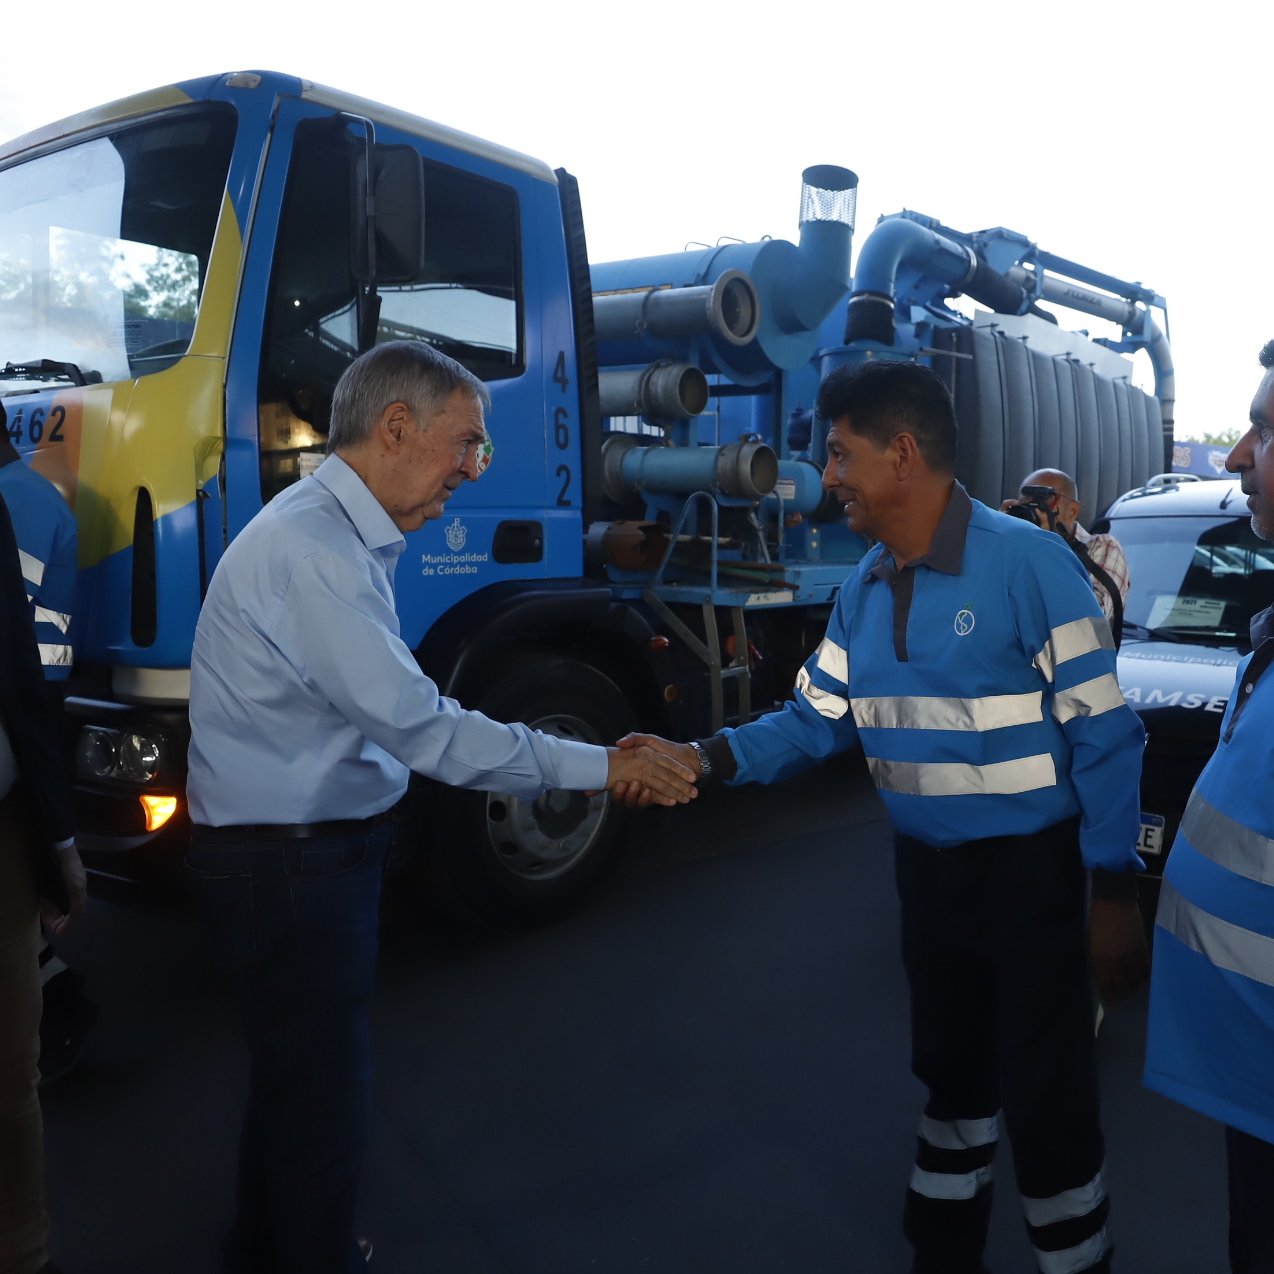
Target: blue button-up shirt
[{"x": 305, "y": 703}]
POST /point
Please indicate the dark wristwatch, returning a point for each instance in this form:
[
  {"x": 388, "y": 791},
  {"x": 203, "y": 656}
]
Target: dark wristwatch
[{"x": 705, "y": 763}]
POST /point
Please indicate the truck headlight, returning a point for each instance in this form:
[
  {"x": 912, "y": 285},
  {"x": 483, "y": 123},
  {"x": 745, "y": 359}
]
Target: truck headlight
[
  {"x": 96, "y": 755},
  {"x": 139, "y": 757},
  {"x": 133, "y": 756}
]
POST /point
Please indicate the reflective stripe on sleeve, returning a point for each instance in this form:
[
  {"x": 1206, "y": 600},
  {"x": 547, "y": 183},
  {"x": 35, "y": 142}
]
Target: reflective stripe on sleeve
[
  {"x": 950, "y": 1185},
  {"x": 1227, "y": 946},
  {"x": 1069, "y": 641},
  {"x": 1067, "y": 1205},
  {"x": 1003, "y": 778},
  {"x": 55, "y": 656},
  {"x": 959, "y": 1134},
  {"x": 32, "y": 567},
  {"x": 1227, "y": 842},
  {"x": 994, "y": 712},
  {"x": 1088, "y": 699},
  {"x": 824, "y": 702},
  {"x": 833, "y": 660},
  {"x": 45, "y": 616}
]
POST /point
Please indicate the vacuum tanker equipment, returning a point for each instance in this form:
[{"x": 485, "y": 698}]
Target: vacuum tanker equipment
[{"x": 719, "y": 512}]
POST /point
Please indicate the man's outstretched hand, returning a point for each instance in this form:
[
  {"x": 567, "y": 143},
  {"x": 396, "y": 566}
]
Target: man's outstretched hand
[{"x": 634, "y": 790}]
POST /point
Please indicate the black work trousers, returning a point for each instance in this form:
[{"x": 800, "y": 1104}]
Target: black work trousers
[
  {"x": 994, "y": 940},
  {"x": 1250, "y": 1165}
]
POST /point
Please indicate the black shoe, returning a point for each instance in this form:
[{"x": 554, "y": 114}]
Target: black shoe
[{"x": 65, "y": 1024}]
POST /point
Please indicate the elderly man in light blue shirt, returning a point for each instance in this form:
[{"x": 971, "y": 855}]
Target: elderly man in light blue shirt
[{"x": 307, "y": 714}]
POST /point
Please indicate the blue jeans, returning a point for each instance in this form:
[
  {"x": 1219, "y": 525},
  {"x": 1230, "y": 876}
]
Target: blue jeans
[{"x": 294, "y": 922}]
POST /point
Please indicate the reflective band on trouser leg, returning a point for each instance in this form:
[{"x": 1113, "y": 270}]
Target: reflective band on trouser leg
[
  {"x": 1068, "y": 1230},
  {"x": 948, "y": 1202},
  {"x": 953, "y": 1156}
]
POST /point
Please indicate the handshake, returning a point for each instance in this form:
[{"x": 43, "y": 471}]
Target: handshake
[{"x": 643, "y": 769}]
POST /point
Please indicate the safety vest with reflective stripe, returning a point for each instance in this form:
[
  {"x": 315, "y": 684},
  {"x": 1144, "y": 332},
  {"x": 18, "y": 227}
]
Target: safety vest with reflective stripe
[
  {"x": 1004, "y": 717},
  {"x": 47, "y": 549},
  {"x": 1210, "y": 1037}
]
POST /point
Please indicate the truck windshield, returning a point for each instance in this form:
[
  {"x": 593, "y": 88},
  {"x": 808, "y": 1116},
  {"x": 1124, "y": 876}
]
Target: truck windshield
[
  {"x": 104, "y": 244},
  {"x": 1195, "y": 578}
]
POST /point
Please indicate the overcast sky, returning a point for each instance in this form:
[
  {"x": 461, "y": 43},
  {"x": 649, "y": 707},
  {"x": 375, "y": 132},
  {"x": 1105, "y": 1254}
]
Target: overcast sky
[{"x": 1133, "y": 138}]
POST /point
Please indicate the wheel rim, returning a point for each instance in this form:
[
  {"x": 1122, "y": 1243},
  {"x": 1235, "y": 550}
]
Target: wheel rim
[{"x": 551, "y": 836}]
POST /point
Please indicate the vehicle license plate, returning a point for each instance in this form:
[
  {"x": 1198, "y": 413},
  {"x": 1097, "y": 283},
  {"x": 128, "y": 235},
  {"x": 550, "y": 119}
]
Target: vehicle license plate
[{"x": 1151, "y": 839}]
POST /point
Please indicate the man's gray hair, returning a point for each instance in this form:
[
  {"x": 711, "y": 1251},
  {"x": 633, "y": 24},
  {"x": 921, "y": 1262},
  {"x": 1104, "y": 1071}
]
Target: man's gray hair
[{"x": 408, "y": 372}]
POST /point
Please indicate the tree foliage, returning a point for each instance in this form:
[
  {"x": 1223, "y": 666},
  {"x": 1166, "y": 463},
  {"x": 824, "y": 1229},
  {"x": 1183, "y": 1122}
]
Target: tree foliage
[
  {"x": 1223, "y": 438},
  {"x": 168, "y": 289}
]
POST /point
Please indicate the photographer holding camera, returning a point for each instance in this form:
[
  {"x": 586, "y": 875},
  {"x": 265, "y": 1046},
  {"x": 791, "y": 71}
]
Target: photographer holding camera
[{"x": 1049, "y": 499}]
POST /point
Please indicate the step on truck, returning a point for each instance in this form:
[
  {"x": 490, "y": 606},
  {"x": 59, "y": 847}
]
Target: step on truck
[{"x": 184, "y": 275}]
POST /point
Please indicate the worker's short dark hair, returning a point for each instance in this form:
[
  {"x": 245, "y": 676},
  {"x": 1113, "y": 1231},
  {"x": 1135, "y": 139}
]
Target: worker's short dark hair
[
  {"x": 1267, "y": 355},
  {"x": 883, "y": 397}
]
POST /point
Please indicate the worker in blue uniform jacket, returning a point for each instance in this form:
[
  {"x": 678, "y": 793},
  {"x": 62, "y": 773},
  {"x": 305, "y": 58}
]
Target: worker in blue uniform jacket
[
  {"x": 968, "y": 659},
  {"x": 1210, "y": 1040},
  {"x": 48, "y": 551}
]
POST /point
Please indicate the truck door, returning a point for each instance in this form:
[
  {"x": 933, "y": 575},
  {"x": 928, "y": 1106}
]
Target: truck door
[{"x": 492, "y": 294}]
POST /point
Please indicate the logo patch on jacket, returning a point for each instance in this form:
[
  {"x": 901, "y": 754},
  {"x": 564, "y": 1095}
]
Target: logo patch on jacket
[{"x": 964, "y": 622}]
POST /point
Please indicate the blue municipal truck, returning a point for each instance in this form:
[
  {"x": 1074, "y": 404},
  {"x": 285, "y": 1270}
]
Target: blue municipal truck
[{"x": 184, "y": 275}]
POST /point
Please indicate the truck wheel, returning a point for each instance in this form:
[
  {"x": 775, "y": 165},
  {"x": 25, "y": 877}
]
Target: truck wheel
[{"x": 514, "y": 863}]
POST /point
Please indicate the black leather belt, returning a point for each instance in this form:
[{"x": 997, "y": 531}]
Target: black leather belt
[{"x": 294, "y": 831}]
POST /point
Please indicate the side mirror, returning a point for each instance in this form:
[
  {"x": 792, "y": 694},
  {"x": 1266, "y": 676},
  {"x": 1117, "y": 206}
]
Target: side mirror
[{"x": 393, "y": 218}]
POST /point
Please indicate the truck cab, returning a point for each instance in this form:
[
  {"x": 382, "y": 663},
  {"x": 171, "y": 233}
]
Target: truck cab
[{"x": 192, "y": 269}]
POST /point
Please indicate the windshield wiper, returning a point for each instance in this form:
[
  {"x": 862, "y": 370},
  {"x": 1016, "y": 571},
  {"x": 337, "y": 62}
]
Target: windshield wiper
[
  {"x": 1181, "y": 633},
  {"x": 1152, "y": 634},
  {"x": 49, "y": 369}
]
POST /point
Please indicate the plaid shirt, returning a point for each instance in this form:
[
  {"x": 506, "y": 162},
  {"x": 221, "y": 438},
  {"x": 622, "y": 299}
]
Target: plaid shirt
[{"x": 1105, "y": 551}]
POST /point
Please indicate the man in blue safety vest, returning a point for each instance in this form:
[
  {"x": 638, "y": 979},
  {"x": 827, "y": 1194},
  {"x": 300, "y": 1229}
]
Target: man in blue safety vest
[
  {"x": 967, "y": 657},
  {"x": 47, "y": 550},
  {"x": 1210, "y": 1041}
]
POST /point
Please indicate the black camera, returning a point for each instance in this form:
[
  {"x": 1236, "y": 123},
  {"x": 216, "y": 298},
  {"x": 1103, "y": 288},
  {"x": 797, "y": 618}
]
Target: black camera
[{"x": 1036, "y": 505}]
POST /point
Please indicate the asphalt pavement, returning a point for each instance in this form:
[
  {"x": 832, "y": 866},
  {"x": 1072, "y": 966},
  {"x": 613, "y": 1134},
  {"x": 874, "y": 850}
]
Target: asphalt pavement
[{"x": 703, "y": 1071}]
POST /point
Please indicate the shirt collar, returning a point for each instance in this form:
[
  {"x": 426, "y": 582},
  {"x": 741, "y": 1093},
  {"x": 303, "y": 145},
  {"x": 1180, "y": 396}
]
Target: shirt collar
[
  {"x": 946, "y": 550},
  {"x": 1262, "y": 626},
  {"x": 374, "y": 526}
]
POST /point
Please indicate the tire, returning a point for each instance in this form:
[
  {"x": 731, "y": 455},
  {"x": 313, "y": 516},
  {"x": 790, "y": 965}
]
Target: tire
[{"x": 513, "y": 863}]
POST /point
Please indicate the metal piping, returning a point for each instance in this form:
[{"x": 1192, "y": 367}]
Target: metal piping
[
  {"x": 664, "y": 392},
  {"x": 747, "y": 470},
  {"x": 729, "y": 308},
  {"x": 890, "y": 245},
  {"x": 1133, "y": 318}
]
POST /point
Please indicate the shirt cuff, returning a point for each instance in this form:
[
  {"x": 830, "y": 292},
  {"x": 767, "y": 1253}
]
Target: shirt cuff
[
  {"x": 721, "y": 758},
  {"x": 1114, "y": 886}
]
